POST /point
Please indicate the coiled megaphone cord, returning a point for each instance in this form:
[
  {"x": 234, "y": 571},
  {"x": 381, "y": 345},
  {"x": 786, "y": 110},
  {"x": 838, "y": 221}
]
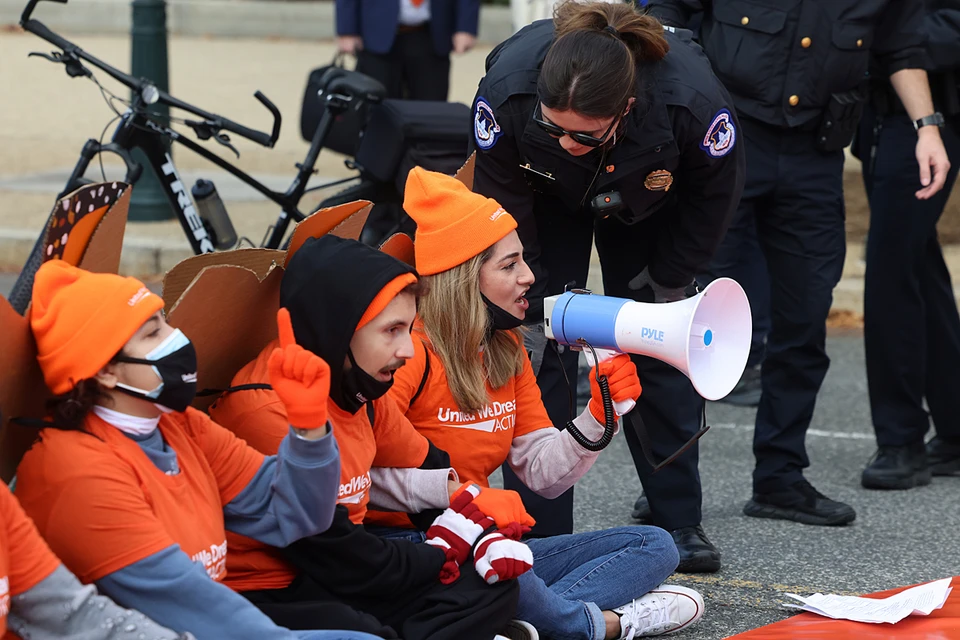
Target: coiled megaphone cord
[{"x": 609, "y": 417}]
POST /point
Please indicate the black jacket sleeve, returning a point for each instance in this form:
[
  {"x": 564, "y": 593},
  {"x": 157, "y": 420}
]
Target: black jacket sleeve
[
  {"x": 675, "y": 13},
  {"x": 707, "y": 202},
  {"x": 349, "y": 562},
  {"x": 943, "y": 38},
  {"x": 900, "y": 39},
  {"x": 497, "y": 174}
]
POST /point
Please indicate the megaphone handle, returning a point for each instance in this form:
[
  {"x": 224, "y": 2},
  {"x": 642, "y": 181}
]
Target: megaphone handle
[{"x": 623, "y": 407}]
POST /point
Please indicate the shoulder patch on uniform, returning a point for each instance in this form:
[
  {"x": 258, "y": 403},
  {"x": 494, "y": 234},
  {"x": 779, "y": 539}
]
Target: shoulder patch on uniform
[
  {"x": 485, "y": 127},
  {"x": 721, "y": 135}
]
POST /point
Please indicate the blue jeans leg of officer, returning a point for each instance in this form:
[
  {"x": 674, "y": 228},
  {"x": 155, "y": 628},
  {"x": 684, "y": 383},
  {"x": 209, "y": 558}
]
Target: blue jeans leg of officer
[
  {"x": 566, "y": 243},
  {"x": 911, "y": 324},
  {"x": 670, "y": 407},
  {"x": 739, "y": 257},
  {"x": 797, "y": 193}
]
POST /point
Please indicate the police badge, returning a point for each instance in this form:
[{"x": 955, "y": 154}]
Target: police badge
[{"x": 659, "y": 180}]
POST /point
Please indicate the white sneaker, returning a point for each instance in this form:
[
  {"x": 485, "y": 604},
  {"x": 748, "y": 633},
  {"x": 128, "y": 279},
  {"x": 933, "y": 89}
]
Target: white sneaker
[
  {"x": 520, "y": 630},
  {"x": 664, "y": 610}
]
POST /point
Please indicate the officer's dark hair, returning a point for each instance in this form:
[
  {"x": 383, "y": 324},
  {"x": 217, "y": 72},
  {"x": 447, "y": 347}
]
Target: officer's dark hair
[{"x": 599, "y": 57}]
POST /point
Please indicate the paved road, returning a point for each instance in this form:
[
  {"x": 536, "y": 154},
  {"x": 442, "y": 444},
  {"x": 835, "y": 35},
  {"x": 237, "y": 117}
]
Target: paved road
[{"x": 899, "y": 538}]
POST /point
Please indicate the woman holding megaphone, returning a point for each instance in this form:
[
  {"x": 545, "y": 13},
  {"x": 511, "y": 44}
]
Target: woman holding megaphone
[
  {"x": 470, "y": 390},
  {"x": 602, "y": 125}
]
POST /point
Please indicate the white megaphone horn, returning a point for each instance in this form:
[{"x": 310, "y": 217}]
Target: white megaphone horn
[{"x": 706, "y": 337}]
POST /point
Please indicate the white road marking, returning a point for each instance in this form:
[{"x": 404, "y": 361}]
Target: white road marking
[{"x": 839, "y": 435}]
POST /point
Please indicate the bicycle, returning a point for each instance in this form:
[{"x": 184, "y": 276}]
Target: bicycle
[{"x": 139, "y": 128}]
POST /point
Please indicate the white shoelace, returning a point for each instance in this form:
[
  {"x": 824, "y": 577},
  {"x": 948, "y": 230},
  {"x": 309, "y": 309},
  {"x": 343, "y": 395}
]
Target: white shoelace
[{"x": 651, "y": 614}]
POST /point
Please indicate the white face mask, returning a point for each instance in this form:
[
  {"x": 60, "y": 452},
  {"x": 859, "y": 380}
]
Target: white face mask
[{"x": 132, "y": 425}]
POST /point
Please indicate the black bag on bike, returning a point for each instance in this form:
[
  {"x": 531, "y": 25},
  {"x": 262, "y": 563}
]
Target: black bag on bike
[
  {"x": 402, "y": 134},
  {"x": 344, "y": 136}
]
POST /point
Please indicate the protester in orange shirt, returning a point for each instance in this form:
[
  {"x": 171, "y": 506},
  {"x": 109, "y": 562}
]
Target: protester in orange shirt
[
  {"x": 39, "y": 597},
  {"x": 133, "y": 489},
  {"x": 353, "y": 306},
  {"x": 471, "y": 390}
]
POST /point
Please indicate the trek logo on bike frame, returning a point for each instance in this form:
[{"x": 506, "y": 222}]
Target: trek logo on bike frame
[{"x": 186, "y": 206}]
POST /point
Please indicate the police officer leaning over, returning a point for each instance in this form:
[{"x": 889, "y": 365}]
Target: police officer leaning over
[
  {"x": 602, "y": 125},
  {"x": 911, "y": 325},
  {"x": 796, "y": 71}
]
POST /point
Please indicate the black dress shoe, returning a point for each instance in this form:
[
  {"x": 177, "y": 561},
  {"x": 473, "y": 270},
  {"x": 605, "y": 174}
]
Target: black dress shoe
[
  {"x": 943, "y": 457},
  {"x": 897, "y": 468},
  {"x": 747, "y": 392},
  {"x": 800, "y": 502},
  {"x": 641, "y": 510},
  {"x": 697, "y": 553}
]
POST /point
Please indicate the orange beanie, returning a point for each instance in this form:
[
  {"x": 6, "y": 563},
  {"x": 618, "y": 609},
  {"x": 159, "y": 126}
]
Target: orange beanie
[
  {"x": 453, "y": 223},
  {"x": 80, "y": 320},
  {"x": 386, "y": 296}
]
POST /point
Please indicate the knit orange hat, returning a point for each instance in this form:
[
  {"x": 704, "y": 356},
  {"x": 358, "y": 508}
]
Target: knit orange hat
[
  {"x": 386, "y": 296},
  {"x": 453, "y": 223},
  {"x": 80, "y": 320}
]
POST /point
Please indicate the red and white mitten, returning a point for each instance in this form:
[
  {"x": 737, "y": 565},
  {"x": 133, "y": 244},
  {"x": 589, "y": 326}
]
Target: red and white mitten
[
  {"x": 456, "y": 530},
  {"x": 501, "y": 556}
]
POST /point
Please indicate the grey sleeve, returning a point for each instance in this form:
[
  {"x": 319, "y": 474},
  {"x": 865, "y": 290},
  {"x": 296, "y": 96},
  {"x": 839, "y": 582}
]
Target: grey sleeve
[
  {"x": 293, "y": 494},
  {"x": 60, "y": 607},
  {"x": 410, "y": 490}
]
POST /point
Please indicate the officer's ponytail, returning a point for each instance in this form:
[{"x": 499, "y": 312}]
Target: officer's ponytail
[{"x": 599, "y": 57}]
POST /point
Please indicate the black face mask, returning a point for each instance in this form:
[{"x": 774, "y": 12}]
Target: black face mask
[
  {"x": 500, "y": 320},
  {"x": 359, "y": 387},
  {"x": 175, "y": 362}
]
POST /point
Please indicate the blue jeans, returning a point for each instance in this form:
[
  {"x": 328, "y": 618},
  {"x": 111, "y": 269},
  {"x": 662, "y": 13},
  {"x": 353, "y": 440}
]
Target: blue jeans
[
  {"x": 577, "y": 577},
  {"x": 330, "y": 634}
]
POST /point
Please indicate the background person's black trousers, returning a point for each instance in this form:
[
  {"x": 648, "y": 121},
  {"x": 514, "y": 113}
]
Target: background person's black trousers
[
  {"x": 795, "y": 194},
  {"x": 412, "y": 70},
  {"x": 911, "y": 325},
  {"x": 669, "y": 405}
]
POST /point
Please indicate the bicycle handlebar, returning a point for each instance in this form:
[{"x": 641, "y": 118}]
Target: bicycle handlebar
[{"x": 42, "y": 31}]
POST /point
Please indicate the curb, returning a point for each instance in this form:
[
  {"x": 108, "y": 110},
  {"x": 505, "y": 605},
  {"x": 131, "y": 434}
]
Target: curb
[
  {"x": 140, "y": 257},
  {"x": 305, "y": 20}
]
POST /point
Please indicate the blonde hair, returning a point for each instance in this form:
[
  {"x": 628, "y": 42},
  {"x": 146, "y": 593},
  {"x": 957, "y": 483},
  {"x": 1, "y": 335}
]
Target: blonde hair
[{"x": 456, "y": 322}]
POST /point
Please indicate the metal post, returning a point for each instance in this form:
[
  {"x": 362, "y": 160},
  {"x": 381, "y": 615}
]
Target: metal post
[{"x": 149, "y": 60}]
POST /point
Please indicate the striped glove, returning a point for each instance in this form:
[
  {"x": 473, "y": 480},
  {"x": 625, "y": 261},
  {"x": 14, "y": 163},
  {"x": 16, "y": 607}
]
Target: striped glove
[
  {"x": 500, "y": 555},
  {"x": 456, "y": 530}
]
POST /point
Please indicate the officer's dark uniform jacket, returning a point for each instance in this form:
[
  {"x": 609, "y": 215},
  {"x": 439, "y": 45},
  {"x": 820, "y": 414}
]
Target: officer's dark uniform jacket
[
  {"x": 782, "y": 60},
  {"x": 666, "y": 131}
]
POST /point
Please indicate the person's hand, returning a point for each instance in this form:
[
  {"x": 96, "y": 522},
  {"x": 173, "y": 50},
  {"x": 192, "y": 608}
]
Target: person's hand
[
  {"x": 300, "y": 378},
  {"x": 456, "y": 530},
  {"x": 622, "y": 380},
  {"x": 661, "y": 293},
  {"x": 463, "y": 41},
  {"x": 501, "y": 556},
  {"x": 349, "y": 44},
  {"x": 503, "y": 505},
  {"x": 932, "y": 156}
]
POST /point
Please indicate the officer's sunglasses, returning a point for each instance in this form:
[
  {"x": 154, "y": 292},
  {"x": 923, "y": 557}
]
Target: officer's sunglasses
[{"x": 577, "y": 136}]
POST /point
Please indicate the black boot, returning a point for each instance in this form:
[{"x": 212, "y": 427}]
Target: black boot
[
  {"x": 897, "y": 468},
  {"x": 697, "y": 553},
  {"x": 747, "y": 392},
  {"x": 943, "y": 457},
  {"x": 641, "y": 510},
  {"x": 800, "y": 502}
]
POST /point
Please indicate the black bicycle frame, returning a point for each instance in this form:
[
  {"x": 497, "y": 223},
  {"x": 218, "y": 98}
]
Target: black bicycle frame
[{"x": 137, "y": 130}]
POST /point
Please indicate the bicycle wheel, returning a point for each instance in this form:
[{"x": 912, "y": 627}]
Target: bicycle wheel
[{"x": 23, "y": 288}]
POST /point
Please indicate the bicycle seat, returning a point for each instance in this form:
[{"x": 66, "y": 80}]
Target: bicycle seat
[{"x": 352, "y": 84}]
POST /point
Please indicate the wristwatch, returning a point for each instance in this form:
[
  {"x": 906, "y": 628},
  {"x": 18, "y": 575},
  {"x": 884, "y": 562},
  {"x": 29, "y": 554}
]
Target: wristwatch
[{"x": 935, "y": 119}]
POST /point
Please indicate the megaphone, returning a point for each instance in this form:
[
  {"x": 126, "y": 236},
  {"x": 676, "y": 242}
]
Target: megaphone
[{"x": 706, "y": 337}]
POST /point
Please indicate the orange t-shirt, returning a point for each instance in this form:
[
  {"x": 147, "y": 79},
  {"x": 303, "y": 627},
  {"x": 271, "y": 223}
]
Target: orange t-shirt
[
  {"x": 25, "y": 559},
  {"x": 477, "y": 443},
  {"x": 102, "y": 504},
  {"x": 259, "y": 417}
]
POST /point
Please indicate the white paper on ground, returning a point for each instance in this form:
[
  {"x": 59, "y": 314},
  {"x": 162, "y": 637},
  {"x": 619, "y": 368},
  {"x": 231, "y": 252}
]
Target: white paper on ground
[{"x": 920, "y": 600}]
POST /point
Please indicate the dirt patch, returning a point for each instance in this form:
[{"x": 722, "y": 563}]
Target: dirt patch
[
  {"x": 858, "y": 212},
  {"x": 843, "y": 319}
]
